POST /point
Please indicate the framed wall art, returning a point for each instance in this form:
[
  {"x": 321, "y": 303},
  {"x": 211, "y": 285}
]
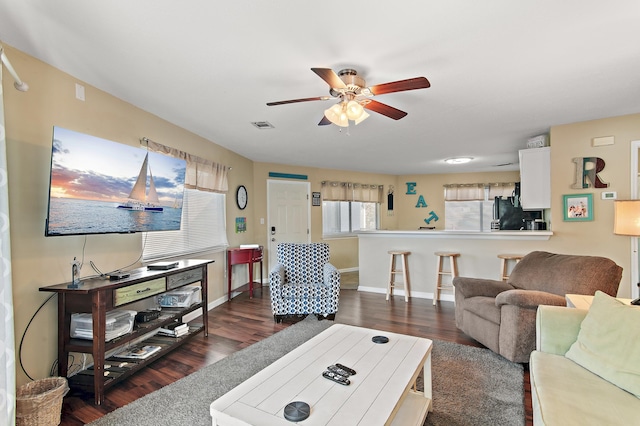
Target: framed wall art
[{"x": 577, "y": 207}]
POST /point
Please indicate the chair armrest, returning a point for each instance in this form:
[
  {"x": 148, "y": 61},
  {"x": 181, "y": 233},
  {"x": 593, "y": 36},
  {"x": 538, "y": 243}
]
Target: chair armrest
[
  {"x": 331, "y": 275},
  {"x": 471, "y": 287},
  {"x": 529, "y": 298},
  {"x": 557, "y": 328},
  {"x": 276, "y": 279}
]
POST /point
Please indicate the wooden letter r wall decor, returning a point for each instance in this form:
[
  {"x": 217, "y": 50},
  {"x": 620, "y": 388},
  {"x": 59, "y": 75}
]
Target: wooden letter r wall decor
[{"x": 587, "y": 169}]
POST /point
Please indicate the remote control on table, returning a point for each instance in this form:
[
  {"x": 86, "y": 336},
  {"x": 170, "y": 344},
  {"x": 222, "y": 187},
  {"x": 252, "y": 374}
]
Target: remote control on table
[
  {"x": 347, "y": 369},
  {"x": 336, "y": 378},
  {"x": 340, "y": 370}
]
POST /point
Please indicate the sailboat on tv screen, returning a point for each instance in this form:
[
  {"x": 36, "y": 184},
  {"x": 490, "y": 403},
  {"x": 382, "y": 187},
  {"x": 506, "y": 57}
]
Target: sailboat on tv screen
[{"x": 139, "y": 199}]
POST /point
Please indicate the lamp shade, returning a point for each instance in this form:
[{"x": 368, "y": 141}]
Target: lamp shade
[
  {"x": 627, "y": 217},
  {"x": 354, "y": 110},
  {"x": 337, "y": 115}
]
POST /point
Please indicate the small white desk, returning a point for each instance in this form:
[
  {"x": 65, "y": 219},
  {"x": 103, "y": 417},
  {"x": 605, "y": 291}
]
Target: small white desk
[
  {"x": 381, "y": 392},
  {"x": 582, "y": 301}
]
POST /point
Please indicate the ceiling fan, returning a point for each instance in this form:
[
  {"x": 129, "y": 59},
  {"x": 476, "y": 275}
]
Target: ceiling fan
[{"x": 355, "y": 96}]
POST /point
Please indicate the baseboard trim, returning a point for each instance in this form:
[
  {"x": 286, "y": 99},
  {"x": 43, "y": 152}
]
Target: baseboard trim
[
  {"x": 198, "y": 313},
  {"x": 416, "y": 294}
]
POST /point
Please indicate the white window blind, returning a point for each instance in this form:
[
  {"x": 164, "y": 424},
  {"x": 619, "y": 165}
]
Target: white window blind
[{"x": 203, "y": 228}]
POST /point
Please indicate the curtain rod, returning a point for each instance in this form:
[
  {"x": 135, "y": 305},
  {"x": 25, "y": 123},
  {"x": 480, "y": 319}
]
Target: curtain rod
[{"x": 19, "y": 84}]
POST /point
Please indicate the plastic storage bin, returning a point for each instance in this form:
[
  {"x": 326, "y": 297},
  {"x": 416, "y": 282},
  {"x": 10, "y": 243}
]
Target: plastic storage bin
[
  {"x": 118, "y": 323},
  {"x": 181, "y": 298}
]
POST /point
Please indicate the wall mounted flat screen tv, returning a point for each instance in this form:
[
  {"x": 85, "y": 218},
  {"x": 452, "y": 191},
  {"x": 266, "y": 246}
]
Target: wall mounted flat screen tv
[{"x": 99, "y": 186}]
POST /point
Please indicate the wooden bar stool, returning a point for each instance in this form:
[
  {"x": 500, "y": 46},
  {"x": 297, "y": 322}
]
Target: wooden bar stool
[
  {"x": 453, "y": 271},
  {"x": 504, "y": 260},
  {"x": 393, "y": 271}
]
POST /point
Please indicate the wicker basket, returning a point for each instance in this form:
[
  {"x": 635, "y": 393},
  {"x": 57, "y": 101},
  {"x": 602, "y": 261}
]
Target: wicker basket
[{"x": 39, "y": 403}]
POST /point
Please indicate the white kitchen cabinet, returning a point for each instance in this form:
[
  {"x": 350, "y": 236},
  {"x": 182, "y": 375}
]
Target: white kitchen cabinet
[{"x": 535, "y": 178}]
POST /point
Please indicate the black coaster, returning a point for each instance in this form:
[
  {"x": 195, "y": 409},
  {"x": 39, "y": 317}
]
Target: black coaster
[
  {"x": 380, "y": 339},
  {"x": 296, "y": 411}
]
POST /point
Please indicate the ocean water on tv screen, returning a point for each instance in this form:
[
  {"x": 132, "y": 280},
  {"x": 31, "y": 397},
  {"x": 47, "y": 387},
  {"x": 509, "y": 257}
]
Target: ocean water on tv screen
[{"x": 73, "y": 216}]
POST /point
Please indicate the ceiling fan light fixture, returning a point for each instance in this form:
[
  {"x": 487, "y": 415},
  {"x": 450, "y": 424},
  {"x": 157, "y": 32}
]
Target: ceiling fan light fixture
[
  {"x": 337, "y": 115},
  {"x": 354, "y": 110},
  {"x": 362, "y": 117}
]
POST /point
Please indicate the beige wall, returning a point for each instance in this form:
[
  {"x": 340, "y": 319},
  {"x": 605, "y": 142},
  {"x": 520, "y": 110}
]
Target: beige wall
[
  {"x": 595, "y": 237},
  {"x": 431, "y": 188},
  {"x": 38, "y": 261},
  {"x": 344, "y": 251}
]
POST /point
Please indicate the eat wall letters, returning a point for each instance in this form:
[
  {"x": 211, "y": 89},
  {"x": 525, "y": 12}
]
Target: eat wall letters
[{"x": 411, "y": 190}]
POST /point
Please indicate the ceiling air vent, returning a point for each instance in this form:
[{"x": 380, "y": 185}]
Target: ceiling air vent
[{"x": 262, "y": 125}]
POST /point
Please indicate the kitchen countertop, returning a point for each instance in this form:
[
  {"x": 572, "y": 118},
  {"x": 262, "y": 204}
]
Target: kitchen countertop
[{"x": 429, "y": 233}]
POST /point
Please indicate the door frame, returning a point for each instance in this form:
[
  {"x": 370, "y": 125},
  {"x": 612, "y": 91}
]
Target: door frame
[
  {"x": 635, "y": 273},
  {"x": 308, "y": 188}
]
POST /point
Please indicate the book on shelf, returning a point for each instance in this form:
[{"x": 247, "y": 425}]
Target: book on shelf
[
  {"x": 138, "y": 351},
  {"x": 175, "y": 329}
]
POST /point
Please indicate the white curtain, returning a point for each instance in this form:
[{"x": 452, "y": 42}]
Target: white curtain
[
  {"x": 7, "y": 346},
  {"x": 202, "y": 174},
  {"x": 350, "y": 191},
  {"x": 464, "y": 192},
  {"x": 502, "y": 189}
]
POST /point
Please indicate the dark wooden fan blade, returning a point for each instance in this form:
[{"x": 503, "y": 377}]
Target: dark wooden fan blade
[
  {"x": 328, "y": 75},
  {"x": 325, "y": 121},
  {"x": 400, "y": 86},
  {"x": 293, "y": 101},
  {"x": 385, "y": 109}
]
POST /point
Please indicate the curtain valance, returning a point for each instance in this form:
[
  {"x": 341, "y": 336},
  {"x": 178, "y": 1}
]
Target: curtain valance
[
  {"x": 350, "y": 191},
  {"x": 476, "y": 191},
  {"x": 202, "y": 174},
  {"x": 464, "y": 192},
  {"x": 502, "y": 189}
]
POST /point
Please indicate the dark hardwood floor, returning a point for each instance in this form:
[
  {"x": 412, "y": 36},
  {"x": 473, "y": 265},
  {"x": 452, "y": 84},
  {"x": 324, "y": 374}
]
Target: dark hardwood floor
[{"x": 244, "y": 321}]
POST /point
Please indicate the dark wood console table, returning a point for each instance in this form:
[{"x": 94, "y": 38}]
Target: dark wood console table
[
  {"x": 249, "y": 256},
  {"x": 99, "y": 295}
]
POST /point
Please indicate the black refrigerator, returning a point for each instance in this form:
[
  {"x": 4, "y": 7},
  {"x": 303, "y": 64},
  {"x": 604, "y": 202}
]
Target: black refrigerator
[{"x": 510, "y": 214}]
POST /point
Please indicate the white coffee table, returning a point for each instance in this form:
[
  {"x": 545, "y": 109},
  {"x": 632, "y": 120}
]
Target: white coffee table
[{"x": 381, "y": 392}]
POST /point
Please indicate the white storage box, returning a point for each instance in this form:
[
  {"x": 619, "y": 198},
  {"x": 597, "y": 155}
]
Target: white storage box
[
  {"x": 118, "y": 323},
  {"x": 181, "y": 298}
]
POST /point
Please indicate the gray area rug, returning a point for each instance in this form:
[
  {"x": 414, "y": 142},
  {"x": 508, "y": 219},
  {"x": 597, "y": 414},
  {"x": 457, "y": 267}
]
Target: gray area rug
[{"x": 471, "y": 386}]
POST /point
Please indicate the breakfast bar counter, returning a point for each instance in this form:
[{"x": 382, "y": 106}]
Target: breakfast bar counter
[{"x": 478, "y": 255}]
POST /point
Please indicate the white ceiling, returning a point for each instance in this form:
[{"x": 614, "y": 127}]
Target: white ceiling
[{"x": 501, "y": 71}]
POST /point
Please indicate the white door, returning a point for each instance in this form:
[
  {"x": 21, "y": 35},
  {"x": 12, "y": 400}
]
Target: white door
[{"x": 289, "y": 219}]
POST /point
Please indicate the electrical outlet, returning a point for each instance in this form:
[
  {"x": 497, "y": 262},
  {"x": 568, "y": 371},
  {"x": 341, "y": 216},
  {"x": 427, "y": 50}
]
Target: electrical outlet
[{"x": 79, "y": 92}]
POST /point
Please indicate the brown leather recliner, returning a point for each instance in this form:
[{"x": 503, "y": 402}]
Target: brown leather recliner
[{"x": 502, "y": 315}]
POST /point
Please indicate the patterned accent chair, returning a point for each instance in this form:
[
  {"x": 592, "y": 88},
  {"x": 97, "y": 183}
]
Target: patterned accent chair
[{"x": 304, "y": 282}]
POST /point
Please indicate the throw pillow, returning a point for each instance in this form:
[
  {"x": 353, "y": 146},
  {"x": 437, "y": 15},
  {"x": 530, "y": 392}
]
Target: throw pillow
[{"x": 609, "y": 342}]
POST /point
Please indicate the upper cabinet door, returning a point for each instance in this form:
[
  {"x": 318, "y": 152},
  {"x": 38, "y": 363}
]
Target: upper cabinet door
[{"x": 535, "y": 178}]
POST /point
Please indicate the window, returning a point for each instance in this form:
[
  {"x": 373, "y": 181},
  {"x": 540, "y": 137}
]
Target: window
[
  {"x": 203, "y": 228},
  {"x": 342, "y": 218},
  {"x": 468, "y": 215}
]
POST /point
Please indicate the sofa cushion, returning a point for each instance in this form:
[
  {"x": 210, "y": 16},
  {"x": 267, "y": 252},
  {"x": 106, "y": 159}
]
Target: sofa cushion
[
  {"x": 484, "y": 307},
  {"x": 564, "y": 393},
  {"x": 563, "y": 273},
  {"x": 608, "y": 343}
]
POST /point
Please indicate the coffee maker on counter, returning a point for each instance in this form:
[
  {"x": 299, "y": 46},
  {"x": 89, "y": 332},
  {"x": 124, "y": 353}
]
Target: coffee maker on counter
[{"x": 508, "y": 214}]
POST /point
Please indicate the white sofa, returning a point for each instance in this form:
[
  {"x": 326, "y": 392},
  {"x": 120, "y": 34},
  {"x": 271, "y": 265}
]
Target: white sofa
[{"x": 563, "y": 392}]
